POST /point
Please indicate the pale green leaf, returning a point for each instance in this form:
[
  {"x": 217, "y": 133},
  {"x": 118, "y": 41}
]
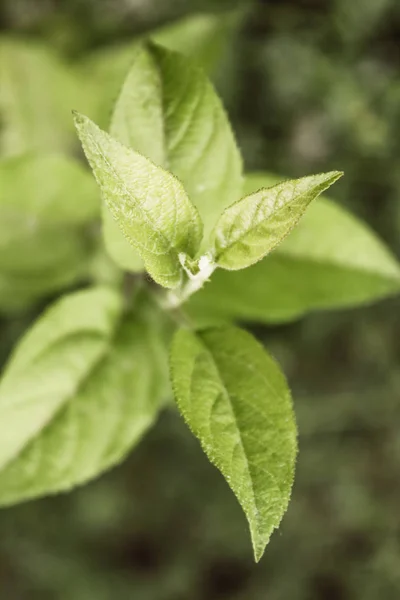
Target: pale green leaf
[
  {"x": 111, "y": 409},
  {"x": 37, "y": 92},
  {"x": 45, "y": 200},
  {"x": 14, "y": 295},
  {"x": 102, "y": 270},
  {"x": 104, "y": 71},
  {"x": 169, "y": 112},
  {"x": 330, "y": 260},
  {"x": 121, "y": 251},
  {"x": 250, "y": 228},
  {"x": 35, "y": 250},
  {"x": 46, "y": 189},
  {"x": 149, "y": 204},
  {"x": 203, "y": 37},
  {"x": 20, "y": 289},
  {"x": 51, "y": 362},
  {"x": 235, "y": 399},
  {"x": 257, "y": 180}
]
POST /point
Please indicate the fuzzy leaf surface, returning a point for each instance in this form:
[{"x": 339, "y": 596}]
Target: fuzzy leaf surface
[
  {"x": 250, "y": 228},
  {"x": 149, "y": 204},
  {"x": 169, "y": 112},
  {"x": 235, "y": 399},
  {"x": 202, "y": 37}
]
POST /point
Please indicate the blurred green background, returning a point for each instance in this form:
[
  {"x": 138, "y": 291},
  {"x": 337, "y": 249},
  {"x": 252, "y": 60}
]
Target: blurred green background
[{"x": 310, "y": 85}]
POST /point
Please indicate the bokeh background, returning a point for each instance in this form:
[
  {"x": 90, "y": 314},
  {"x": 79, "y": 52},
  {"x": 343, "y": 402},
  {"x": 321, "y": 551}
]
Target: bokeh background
[{"x": 310, "y": 85}]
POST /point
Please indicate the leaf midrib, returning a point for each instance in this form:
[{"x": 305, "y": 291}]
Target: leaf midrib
[
  {"x": 228, "y": 397},
  {"x": 140, "y": 207}
]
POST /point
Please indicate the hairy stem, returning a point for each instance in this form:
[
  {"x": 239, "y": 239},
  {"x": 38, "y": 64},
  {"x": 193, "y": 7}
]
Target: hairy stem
[{"x": 192, "y": 283}]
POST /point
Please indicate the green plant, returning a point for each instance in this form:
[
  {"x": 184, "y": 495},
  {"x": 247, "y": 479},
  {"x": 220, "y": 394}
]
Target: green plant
[{"x": 91, "y": 375}]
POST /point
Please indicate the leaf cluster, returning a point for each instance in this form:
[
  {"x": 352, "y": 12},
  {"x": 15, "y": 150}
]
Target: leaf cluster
[{"x": 90, "y": 377}]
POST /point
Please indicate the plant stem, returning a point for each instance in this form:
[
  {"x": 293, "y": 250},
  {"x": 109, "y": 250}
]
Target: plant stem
[{"x": 191, "y": 284}]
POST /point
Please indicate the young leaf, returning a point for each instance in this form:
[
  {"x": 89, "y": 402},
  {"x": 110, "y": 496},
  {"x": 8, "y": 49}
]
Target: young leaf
[
  {"x": 51, "y": 362},
  {"x": 169, "y": 112},
  {"x": 149, "y": 204},
  {"x": 202, "y": 37},
  {"x": 236, "y": 401},
  {"x": 104, "y": 71},
  {"x": 252, "y": 227},
  {"x": 109, "y": 412},
  {"x": 330, "y": 260}
]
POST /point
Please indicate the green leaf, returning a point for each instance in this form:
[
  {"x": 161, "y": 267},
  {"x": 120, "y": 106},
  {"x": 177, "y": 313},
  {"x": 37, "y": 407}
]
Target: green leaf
[
  {"x": 102, "y": 270},
  {"x": 104, "y": 71},
  {"x": 121, "y": 251},
  {"x": 44, "y": 203},
  {"x": 250, "y": 228},
  {"x": 330, "y": 260},
  {"x": 37, "y": 250},
  {"x": 37, "y": 91},
  {"x": 257, "y": 180},
  {"x": 149, "y": 204},
  {"x": 202, "y": 37},
  {"x": 46, "y": 189},
  {"x": 109, "y": 412},
  {"x": 20, "y": 289},
  {"x": 169, "y": 112},
  {"x": 51, "y": 362},
  {"x": 235, "y": 399}
]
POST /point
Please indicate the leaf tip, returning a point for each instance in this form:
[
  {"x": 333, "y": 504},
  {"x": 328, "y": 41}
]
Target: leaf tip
[
  {"x": 333, "y": 176},
  {"x": 258, "y": 552},
  {"x": 259, "y": 541},
  {"x": 80, "y": 120}
]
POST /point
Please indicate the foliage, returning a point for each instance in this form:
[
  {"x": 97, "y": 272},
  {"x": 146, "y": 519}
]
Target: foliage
[{"x": 333, "y": 274}]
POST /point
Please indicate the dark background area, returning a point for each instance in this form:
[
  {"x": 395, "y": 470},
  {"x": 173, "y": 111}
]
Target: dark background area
[{"x": 310, "y": 85}]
